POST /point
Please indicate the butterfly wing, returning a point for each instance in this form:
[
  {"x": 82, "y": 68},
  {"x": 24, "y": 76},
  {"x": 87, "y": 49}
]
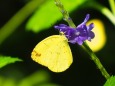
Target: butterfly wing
[{"x": 54, "y": 53}]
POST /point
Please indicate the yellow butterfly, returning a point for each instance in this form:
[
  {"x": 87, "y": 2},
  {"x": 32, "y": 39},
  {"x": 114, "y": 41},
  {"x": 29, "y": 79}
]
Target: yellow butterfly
[{"x": 53, "y": 52}]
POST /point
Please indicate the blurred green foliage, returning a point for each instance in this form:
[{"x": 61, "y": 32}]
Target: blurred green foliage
[
  {"x": 38, "y": 78},
  {"x": 48, "y": 14},
  {"x": 5, "y": 60}
]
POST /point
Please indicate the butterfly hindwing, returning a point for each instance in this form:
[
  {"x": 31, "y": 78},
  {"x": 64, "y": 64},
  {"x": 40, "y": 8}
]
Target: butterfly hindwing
[{"x": 54, "y": 53}]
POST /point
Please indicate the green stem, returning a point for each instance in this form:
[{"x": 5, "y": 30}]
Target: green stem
[
  {"x": 108, "y": 14},
  {"x": 105, "y": 11},
  {"x": 112, "y": 5},
  {"x": 64, "y": 13},
  {"x": 84, "y": 46},
  {"x": 96, "y": 60},
  {"x": 18, "y": 19}
]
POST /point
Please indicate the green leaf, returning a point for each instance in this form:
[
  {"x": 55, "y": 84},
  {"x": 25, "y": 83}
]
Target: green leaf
[
  {"x": 5, "y": 60},
  {"x": 48, "y": 14},
  {"x": 110, "y": 82}
]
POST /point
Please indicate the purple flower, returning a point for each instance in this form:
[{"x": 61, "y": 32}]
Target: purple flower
[{"x": 78, "y": 34}]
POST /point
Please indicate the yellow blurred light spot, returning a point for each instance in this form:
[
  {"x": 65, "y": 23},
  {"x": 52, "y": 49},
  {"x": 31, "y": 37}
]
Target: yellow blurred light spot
[{"x": 99, "y": 40}]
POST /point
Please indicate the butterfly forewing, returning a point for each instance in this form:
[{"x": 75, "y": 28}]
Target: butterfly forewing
[{"x": 54, "y": 53}]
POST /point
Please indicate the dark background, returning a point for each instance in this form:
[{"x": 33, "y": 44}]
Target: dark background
[{"x": 82, "y": 72}]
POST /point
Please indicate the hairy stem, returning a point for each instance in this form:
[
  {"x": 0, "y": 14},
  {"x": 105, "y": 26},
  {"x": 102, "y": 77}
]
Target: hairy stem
[
  {"x": 64, "y": 13},
  {"x": 96, "y": 60}
]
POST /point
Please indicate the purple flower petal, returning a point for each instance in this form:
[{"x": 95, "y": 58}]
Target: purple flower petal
[
  {"x": 90, "y": 27},
  {"x": 78, "y": 34},
  {"x": 85, "y": 21}
]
